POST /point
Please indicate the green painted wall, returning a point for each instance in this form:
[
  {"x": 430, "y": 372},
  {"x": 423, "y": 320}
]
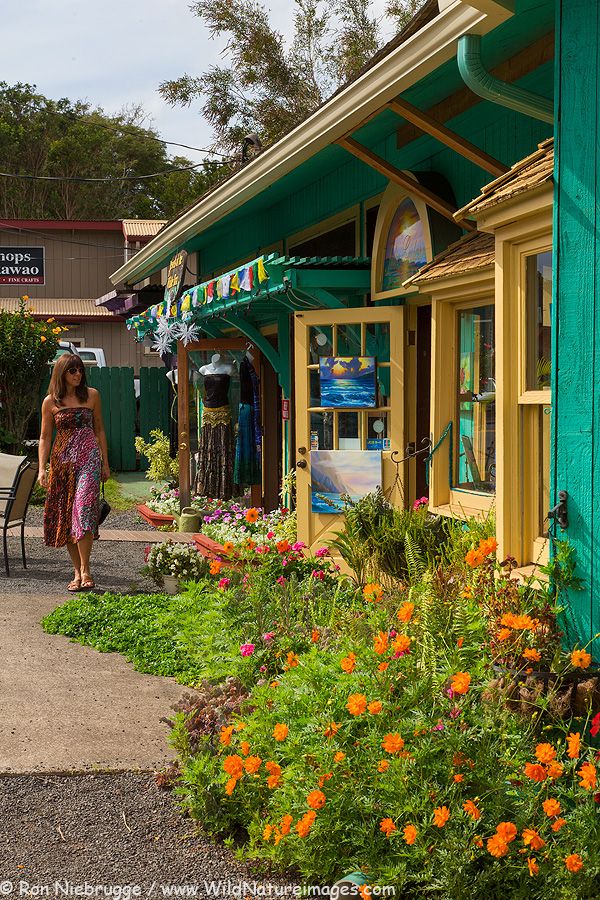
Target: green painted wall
[{"x": 576, "y": 411}]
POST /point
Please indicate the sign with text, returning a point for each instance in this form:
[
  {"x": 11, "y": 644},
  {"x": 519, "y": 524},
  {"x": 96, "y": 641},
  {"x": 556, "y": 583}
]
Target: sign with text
[
  {"x": 22, "y": 265},
  {"x": 175, "y": 274}
]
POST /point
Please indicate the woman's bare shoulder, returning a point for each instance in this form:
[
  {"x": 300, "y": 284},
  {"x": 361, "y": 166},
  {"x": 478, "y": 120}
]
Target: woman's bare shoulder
[
  {"x": 93, "y": 395},
  {"x": 47, "y": 403}
]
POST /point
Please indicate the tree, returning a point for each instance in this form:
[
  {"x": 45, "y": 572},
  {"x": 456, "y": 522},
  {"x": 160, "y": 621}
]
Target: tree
[
  {"x": 26, "y": 348},
  {"x": 39, "y": 136},
  {"x": 267, "y": 86}
]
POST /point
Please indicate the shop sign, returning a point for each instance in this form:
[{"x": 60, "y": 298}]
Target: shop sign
[
  {"x": 175, "y": 276},
  {"x": 22, "y": 265},
  {"x": 285, "y": 409}
]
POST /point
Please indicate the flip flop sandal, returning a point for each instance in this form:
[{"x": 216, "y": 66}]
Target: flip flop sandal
[
  {"x": 74, "y": 586},
  {"x": 87, "y": 584}
]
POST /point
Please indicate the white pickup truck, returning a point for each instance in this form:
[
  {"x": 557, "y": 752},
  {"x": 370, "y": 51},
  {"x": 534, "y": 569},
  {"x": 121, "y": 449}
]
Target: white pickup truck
[{"x": 91, "y": 357}]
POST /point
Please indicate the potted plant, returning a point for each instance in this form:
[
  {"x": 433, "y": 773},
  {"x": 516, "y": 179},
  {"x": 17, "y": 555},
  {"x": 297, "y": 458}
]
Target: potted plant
[{"x": 169, "y": 563}]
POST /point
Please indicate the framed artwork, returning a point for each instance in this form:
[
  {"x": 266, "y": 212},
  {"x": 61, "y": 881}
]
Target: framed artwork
[
  {"x": 335, "y": 473},
  {"x": 348, "y": 382}
]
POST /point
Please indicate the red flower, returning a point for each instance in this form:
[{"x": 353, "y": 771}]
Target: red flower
[{"x": 595, "y": 728}]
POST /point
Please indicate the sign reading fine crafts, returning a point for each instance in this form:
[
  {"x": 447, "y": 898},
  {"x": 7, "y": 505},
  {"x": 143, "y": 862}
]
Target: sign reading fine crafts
[
  {"x": 22, "y": 265},
  {"x": 175, "y": 274}
]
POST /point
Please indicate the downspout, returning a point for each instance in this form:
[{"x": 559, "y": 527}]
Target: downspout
[{"x": 486, "y": 85}]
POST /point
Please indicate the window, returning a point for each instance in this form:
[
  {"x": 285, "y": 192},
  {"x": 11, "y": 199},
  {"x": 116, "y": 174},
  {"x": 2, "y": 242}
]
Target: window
[
  {"x": 538, "y": 279},
  {"x": 475, "y": 450},
  {"x": 405, "y": 250}
]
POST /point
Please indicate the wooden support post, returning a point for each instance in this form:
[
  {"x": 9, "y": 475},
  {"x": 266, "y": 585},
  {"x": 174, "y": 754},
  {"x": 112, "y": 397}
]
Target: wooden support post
[
  {"x": 410, "y": 185},
  {"x": 446, "y": 136},
  {"x": 183, "y": 423}
]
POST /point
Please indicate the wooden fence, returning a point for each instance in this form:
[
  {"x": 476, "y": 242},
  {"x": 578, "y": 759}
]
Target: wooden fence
[{"x": 122, "y": 420}]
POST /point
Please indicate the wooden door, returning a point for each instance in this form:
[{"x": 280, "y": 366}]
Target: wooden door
[{"x": 367, "y": 332}]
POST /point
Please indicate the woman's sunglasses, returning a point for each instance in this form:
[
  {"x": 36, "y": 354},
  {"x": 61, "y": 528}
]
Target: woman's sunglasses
[{"x": 73, "y": 370}]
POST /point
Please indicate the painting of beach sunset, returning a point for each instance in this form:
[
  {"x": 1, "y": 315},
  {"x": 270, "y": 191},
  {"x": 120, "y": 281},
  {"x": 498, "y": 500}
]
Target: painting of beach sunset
[
  {"x": 348, "y": 382},
  {"x": 339, "y": 472}
]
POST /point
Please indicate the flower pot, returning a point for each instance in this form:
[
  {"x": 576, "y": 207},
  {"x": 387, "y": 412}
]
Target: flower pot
[{"x": 171, "y": 584}]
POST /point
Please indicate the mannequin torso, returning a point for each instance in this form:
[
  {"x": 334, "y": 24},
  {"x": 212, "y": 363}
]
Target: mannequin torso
[{"x": 216, "y": 366}]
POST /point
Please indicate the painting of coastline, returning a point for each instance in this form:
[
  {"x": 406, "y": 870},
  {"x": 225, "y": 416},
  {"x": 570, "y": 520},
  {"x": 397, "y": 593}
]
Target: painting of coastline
[
  {"x": 338, "y": 472},
  {"x": 405, "y": 251},
  {"x": 348, "y": 382}
]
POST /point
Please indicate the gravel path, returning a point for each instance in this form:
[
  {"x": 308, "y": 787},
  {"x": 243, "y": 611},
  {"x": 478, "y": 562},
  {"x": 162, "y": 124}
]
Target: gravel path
[
  {"x": 120, "y": 519},
  {"x": 107, "y": 830}
]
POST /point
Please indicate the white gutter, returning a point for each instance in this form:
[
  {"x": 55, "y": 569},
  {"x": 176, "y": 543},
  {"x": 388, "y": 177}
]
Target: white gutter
[{"x": 421, "y": 54}]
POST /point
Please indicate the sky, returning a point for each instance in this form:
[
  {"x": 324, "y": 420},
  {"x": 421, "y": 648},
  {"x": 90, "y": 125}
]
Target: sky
[{"x": 115, "y": 53}]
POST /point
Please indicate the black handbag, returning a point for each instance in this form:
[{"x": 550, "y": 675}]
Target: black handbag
[{"x": 104, "y": 508}]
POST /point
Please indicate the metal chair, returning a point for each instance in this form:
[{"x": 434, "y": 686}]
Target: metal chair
[{"x": 14, "y": 498}]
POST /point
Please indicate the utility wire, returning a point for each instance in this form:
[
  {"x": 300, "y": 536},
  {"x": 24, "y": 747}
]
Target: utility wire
[
  {"x": 98, "y": 180},
  {"x": 147, "y": 135}
]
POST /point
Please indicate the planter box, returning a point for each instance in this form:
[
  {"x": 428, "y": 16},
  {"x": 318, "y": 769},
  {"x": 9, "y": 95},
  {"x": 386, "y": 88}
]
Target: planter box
[
  {"x": 209, "y": 548},
  {"x": 153, "y": 518}
]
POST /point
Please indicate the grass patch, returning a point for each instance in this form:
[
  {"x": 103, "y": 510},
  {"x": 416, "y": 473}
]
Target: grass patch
[
  {"x": 120, "y": 502},
  {"x": 144, "y": 628}
]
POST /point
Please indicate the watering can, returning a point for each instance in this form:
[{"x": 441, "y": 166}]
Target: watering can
[{"x": 188, "y": 519}]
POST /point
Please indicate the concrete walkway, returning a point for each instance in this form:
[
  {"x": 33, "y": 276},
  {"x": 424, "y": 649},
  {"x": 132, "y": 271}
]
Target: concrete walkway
[{"x": 65, "y": 707}]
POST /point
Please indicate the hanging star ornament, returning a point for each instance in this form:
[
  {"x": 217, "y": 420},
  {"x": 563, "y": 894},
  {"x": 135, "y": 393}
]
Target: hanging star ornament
[{"x": 188, "y": 332}]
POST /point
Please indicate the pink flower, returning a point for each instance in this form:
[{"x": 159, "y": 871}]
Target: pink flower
[
  {"x": 422, "y": 501},
  {"x": 438, "y": 727},
  {"x": 263, "y": 669},
  {"x": 247, "y": 649},
  {"x": 245, "y": 580},
  {"x": 299, "y": 545},
  {"x": 393, "y": 633},
  {"x": 224, "y": 583},
  {"x": 322, "y": 551},
  {"x": 270, "y": 535},
  {"x": 268, "y": 636},
  {"x": 450, "y": 693},
  {"x": 455, "y": 713},
  {"x": 319, "y": 574},
  {"x": 281, "y": 580}
]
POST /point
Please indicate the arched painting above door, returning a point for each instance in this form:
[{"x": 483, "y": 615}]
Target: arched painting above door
[{"x": 402, "y": 243}]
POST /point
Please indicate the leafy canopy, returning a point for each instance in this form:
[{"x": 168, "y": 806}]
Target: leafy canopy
[
  {"x": 39, "y": 136},
  {"x": 267, "y": 85}
]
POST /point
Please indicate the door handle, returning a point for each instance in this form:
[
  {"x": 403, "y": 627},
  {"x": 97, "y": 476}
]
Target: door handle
[{"x": 301, "y": 464}]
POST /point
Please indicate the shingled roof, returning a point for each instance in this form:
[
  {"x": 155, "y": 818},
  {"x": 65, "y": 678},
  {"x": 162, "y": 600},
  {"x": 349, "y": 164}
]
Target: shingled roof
[
  {"x": 532, "y": 172},
  {"x": 473, "y": 252}
]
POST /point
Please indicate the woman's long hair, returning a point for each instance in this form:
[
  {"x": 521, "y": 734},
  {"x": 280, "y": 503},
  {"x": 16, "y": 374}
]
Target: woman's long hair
[{"x": 57, "y": 388}]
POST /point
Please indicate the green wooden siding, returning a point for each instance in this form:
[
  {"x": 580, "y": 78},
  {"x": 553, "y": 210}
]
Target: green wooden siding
[
  {"x": 154, "y": 404},
  {"x": 576, "y": 412}
]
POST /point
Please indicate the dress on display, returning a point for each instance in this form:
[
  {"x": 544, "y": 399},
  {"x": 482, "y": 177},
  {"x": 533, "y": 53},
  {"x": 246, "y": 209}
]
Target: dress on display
[
  {"x": 216, "y": 451},
  {"x": 73, "y": 498},
  {"x": 247, "y": 468}
]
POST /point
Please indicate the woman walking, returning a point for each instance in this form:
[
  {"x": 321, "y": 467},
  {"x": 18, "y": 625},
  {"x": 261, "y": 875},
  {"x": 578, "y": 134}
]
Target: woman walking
[{"x": 78, "y": 462}]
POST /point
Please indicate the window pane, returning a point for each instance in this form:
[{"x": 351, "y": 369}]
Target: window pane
[
  {"x": 348, "y": 435},
  {"x": 348, "y": 341},
  {"x": 539, "y": 309},
  {"x": 378, "y": 341},
  {"x": 321, "y": 342},
  {"x": 405, "y": 251},
  {"x": 476, "y": 427},
  {"x": 544, "y": 468},
  {"x": 321, "y": 431}
]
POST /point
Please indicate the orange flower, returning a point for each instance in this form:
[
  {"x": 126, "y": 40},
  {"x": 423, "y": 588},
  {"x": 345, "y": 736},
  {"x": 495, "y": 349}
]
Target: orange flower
[
  {"x": 373, "y": 593},
  {"x": 478, "y": 841},
  {"x": 474, "y": 558},
  {"x": 225, "y": 736},
  {"x": 314, "y": 636},
  {"x": 348, "y": 663},
  {"x": 555, "y": 770},
  {"x": 240, "y": 726},
  {"x": 245, "y": 748},
  {"x": 365, "y": 892},
  {"x": 489, "y": 546},
  {"x": 252, "y": 764},
  {"x": 304, "y": 825},
  {"x": 401, "y": 643},
  {"x": 580, "y": 659},
  {"x": 215, "y": 567},
  {"x": 274, "y": 684},
  {"x": 392, "y": 743},
  {"x": 281, "y": 731},
  {"x": 228, "y": 547},
  {"x": 532, "y": 654},
  {"x": 250, "y": 544},
  {"x": 382, "y": 666},
  {"x": 356, "y": 705},
  {"x": 380, "y": 643},
  {"x": 252, "y": 515},
  {"x": 545, "y": 753},
  {"x": 283, "y": 546},
  {"x": 229, "y": 787},
  {"x": 441, "y": 814},
  {"x": 472, "y": 810},
  {"x": 375, "y": 707},
  {"x": 460, "y": 642},
  {"x": 507, "y": 831},
  {"x": 532, "y": 839},
  {"x": 587, "y": 772},
  {"x": 558, "y": 824},
  {"x": 273, "y": 781},
  {"x": 234, "y": 765},
  {"x": 387, "y": 826},
  {"x": 331, "y": 729},
  {"x": 291, "y": 660},
  {"x": 459, "y": 778},
  {"x": 573, "y": 744},
  {"x": 410, "y": 834},
  {"x": 460, "y": 682},
  {"x": 316, "y": 799},
  {"x": 325, "y": 778},
  {"x": 405, "y": 612},
  {"x": 504, "y": 634},
  {"x": 268, "y": 831},
  {"x": 574, "y": 862},
  {"x": 339, "y": 756},
  {"x": 286, "y": 823},
  {"x": 551, "y": 807},
  {"x": 520, "y": 623},
  {"x": 383, "y": 765},
  {"x": 533, "y": 866},
  {"x": 497, "y": 847}
]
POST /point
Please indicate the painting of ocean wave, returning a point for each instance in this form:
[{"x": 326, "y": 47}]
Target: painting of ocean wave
[
  {"x": 338, "y": 473},
  {"x": 348, "y": 382}
]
